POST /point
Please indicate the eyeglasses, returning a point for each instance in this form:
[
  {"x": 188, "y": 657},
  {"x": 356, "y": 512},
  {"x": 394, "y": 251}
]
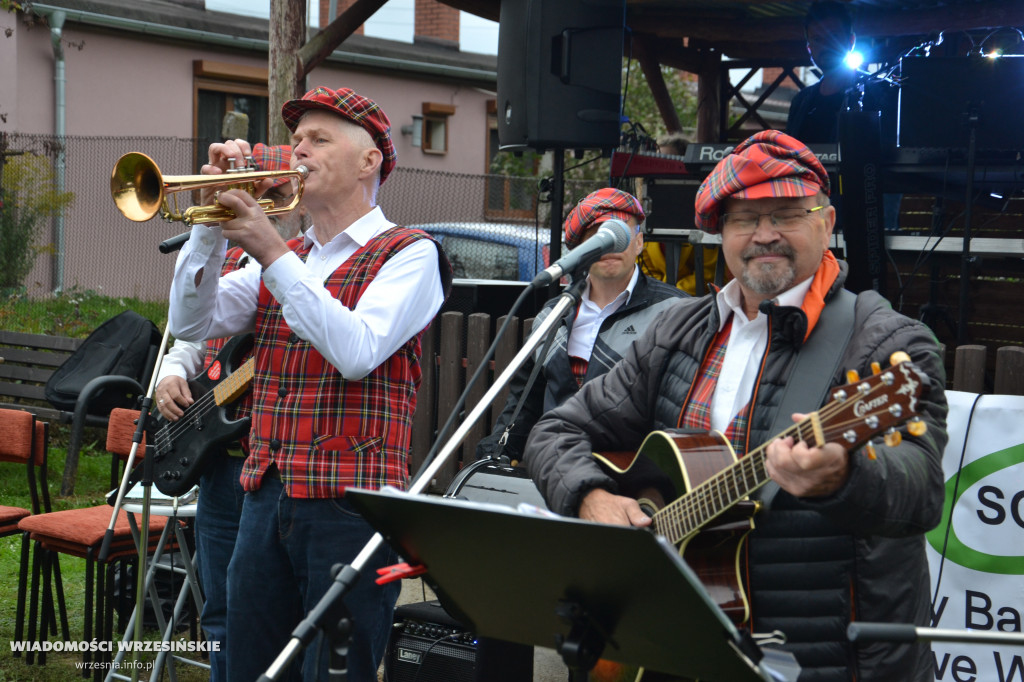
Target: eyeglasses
[{"x": 783, "y": 219}]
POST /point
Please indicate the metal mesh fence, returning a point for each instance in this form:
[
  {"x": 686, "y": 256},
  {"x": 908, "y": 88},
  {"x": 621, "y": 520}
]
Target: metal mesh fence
[{"x": 89, "y": 245}]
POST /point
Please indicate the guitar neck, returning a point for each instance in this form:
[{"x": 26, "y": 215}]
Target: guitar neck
[
  {"x": 234, "y": 385},
  {"x": 691, "y": 512}
]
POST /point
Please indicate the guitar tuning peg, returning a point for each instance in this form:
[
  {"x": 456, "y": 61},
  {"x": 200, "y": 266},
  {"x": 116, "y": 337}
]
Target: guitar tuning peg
[
  {"x": 898, "y": 357},
  {"x": 869, "y": 448},
  {"x": 893, "y": 438},
  {"x": 916, "y": 427},
  {"x": 852, "y": 376},
  {"x": 876, "y": 368}
]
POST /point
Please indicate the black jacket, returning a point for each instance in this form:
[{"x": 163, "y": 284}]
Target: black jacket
[
  {"x": 555, "y": 383},
  {"x": 813, "y": 562}
]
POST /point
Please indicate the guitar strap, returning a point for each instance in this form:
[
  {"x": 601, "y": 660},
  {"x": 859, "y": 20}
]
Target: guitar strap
[{"x": 816, "y": 363}]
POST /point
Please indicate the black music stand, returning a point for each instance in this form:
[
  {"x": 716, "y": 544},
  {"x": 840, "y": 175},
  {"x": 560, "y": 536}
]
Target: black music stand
[{"x": 591, "y": 591}]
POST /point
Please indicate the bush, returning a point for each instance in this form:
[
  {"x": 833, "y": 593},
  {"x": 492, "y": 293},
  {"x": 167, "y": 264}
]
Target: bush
[{"x": 28, "y": 198}]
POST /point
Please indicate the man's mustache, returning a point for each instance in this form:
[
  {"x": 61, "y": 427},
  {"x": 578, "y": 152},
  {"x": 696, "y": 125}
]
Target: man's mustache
[{"x": 783, "y": 250}]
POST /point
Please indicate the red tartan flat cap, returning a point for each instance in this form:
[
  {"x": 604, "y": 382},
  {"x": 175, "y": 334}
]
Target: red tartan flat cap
[
  {"x": 603, "y": 203},
  {"x": 272, "y": 158},
  {"x": 356, "y": 108},
  {"x": 768, "y": 164}
]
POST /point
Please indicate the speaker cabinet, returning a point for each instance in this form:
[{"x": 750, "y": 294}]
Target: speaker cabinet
[{"x": 560, "y": 73}]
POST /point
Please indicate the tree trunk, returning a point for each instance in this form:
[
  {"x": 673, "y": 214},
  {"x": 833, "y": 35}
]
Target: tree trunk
[{"x": 286, "y": 76}]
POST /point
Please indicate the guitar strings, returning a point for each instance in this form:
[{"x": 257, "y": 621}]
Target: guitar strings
[
  {"x": 710, "y": 493},
  {"x": 172, "y": 430}
]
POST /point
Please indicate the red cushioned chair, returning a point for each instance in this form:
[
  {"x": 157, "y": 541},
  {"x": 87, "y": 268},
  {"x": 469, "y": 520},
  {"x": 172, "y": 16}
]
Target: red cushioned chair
[
  {"x": 80, "y": 533},
  {"x": 23, "y": 440}
]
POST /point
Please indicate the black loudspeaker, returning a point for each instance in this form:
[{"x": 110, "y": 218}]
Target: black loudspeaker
[
  {"x": 560, "y": 73},
  {"x": 428, "y": 645}
]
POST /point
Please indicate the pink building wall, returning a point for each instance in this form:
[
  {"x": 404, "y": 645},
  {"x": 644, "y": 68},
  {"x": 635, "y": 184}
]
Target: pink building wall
[{"x": 124, "y": 85}]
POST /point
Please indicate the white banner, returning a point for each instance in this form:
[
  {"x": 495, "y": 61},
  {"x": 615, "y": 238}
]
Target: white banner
[{"x": 977, "y": 552}]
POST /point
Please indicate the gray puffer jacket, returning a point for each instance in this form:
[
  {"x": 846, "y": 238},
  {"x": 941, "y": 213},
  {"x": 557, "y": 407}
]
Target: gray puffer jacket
[{"x": 814, "y": 564}]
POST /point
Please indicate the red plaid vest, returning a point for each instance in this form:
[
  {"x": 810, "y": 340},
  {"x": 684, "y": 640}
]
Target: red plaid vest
[
  {"x": 696, "y": 413},
  {"x": 326, "y": 433}
]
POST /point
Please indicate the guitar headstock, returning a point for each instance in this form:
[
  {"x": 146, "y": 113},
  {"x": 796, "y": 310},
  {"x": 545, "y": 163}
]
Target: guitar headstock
[{"x": 868, "y": 406}]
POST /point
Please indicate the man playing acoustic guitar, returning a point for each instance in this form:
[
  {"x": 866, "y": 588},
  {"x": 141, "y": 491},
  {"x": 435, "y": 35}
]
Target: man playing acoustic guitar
[{"x": 840, "y": 535}]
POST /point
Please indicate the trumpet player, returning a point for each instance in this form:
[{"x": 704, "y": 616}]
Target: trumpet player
[{"x": 337, "y": 316}]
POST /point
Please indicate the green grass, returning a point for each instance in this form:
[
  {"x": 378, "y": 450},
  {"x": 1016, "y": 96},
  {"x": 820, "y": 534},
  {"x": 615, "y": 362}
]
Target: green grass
[{"x": 75, "y": 313}]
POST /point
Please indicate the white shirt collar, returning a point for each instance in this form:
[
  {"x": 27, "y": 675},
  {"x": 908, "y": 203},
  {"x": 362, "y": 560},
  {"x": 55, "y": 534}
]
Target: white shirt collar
[
  {"x": 729, "y": 300},
  {"x": 361, "y": 231}
]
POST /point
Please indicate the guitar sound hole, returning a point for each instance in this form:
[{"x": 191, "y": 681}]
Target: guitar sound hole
[{"x": 648, "y": 506}]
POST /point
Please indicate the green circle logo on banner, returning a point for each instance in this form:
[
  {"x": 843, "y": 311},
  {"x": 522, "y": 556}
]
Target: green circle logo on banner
[{"x": 956, "y": 549}]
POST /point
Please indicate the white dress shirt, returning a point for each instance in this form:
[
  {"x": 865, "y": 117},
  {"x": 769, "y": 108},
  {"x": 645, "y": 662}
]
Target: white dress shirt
[
  {"x": 185, "y": 359},
  {"x": 590, "y": 317},
  {"x": 747, "y": 342},
  {"x": 400, "y": 301}
]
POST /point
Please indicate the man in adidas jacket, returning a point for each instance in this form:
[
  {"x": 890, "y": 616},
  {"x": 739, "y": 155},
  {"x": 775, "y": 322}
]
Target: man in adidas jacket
[{"x": 617, "y": 306}]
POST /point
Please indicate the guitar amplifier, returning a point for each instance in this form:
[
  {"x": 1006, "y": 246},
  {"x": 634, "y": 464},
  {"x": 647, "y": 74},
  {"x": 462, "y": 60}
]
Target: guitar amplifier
[{"x": 428, "y": 645}]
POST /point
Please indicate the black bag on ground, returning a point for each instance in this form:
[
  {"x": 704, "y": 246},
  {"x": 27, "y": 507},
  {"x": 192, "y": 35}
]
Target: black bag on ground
[{"x": 119, "y": 346}]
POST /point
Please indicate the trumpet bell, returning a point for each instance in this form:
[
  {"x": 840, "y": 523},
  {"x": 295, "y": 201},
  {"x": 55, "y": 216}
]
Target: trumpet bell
[
  {"x": 140, "y": 190},
  {"x": 137, "y": 186}
]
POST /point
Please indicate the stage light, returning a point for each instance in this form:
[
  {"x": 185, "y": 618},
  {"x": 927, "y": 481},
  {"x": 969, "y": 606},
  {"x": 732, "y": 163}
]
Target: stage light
[
  {"x": 853, "y": 59},
  {"x": 995, "y": 195},
  {"x": 992, "y": 54}
]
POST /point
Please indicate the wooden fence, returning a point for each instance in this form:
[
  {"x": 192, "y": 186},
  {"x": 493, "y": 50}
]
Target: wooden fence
[{"x": 457, "y": 343}]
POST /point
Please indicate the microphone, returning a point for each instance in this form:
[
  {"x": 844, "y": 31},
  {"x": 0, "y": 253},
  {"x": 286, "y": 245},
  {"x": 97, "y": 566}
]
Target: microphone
[
  {"x": 612, "y": 236},
  {"x": 174, "y": 243}
]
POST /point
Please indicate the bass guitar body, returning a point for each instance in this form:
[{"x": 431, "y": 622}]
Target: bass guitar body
[{"x": 183, "y": 448}]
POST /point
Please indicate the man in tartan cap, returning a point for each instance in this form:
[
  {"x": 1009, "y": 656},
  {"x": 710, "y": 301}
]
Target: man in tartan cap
[
  {"x": 220, "y": 506},
  {"x": 837, "y": 521},
  {"x": 337, "y": 316},
  {"x": 617, "y": 305}
]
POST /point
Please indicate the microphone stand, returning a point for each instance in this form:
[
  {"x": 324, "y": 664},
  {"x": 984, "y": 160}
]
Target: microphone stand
[
  {"x": 146, "y": 482},
  {"x": 330, "y": 609},
  {"x": 909, "y": 633}
]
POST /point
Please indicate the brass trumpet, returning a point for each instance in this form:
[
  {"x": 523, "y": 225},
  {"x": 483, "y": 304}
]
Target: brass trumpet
[{"x": 140, "y": 190}]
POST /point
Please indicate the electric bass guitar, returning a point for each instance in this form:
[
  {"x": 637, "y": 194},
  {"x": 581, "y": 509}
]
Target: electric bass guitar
[
  {"x": 182, "y": 449},
  {"x": 697, "y": 491}
]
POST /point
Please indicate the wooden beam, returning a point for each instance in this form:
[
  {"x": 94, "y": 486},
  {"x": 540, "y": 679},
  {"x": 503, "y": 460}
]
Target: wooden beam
[
  {"x": 897, "y": 22},
  {"x": 656, "y": 82},
  {"x": 334, "y": 34},
  {"x": 725, "y": 30},
  {"x": 709, "y": 97},
  {"x": 488, "y": 9},
  {"x": 672, "y": 52},
  {"x": 678, "y": 24}
]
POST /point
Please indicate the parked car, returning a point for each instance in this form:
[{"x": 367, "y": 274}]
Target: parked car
[{"x": 495, "y": 251}]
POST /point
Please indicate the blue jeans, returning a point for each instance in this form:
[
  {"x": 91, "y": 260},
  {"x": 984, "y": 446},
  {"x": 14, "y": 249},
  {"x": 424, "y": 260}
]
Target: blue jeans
[
  {"x": 217, "y": 515},
  {"x": 280, "y": 569}
]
